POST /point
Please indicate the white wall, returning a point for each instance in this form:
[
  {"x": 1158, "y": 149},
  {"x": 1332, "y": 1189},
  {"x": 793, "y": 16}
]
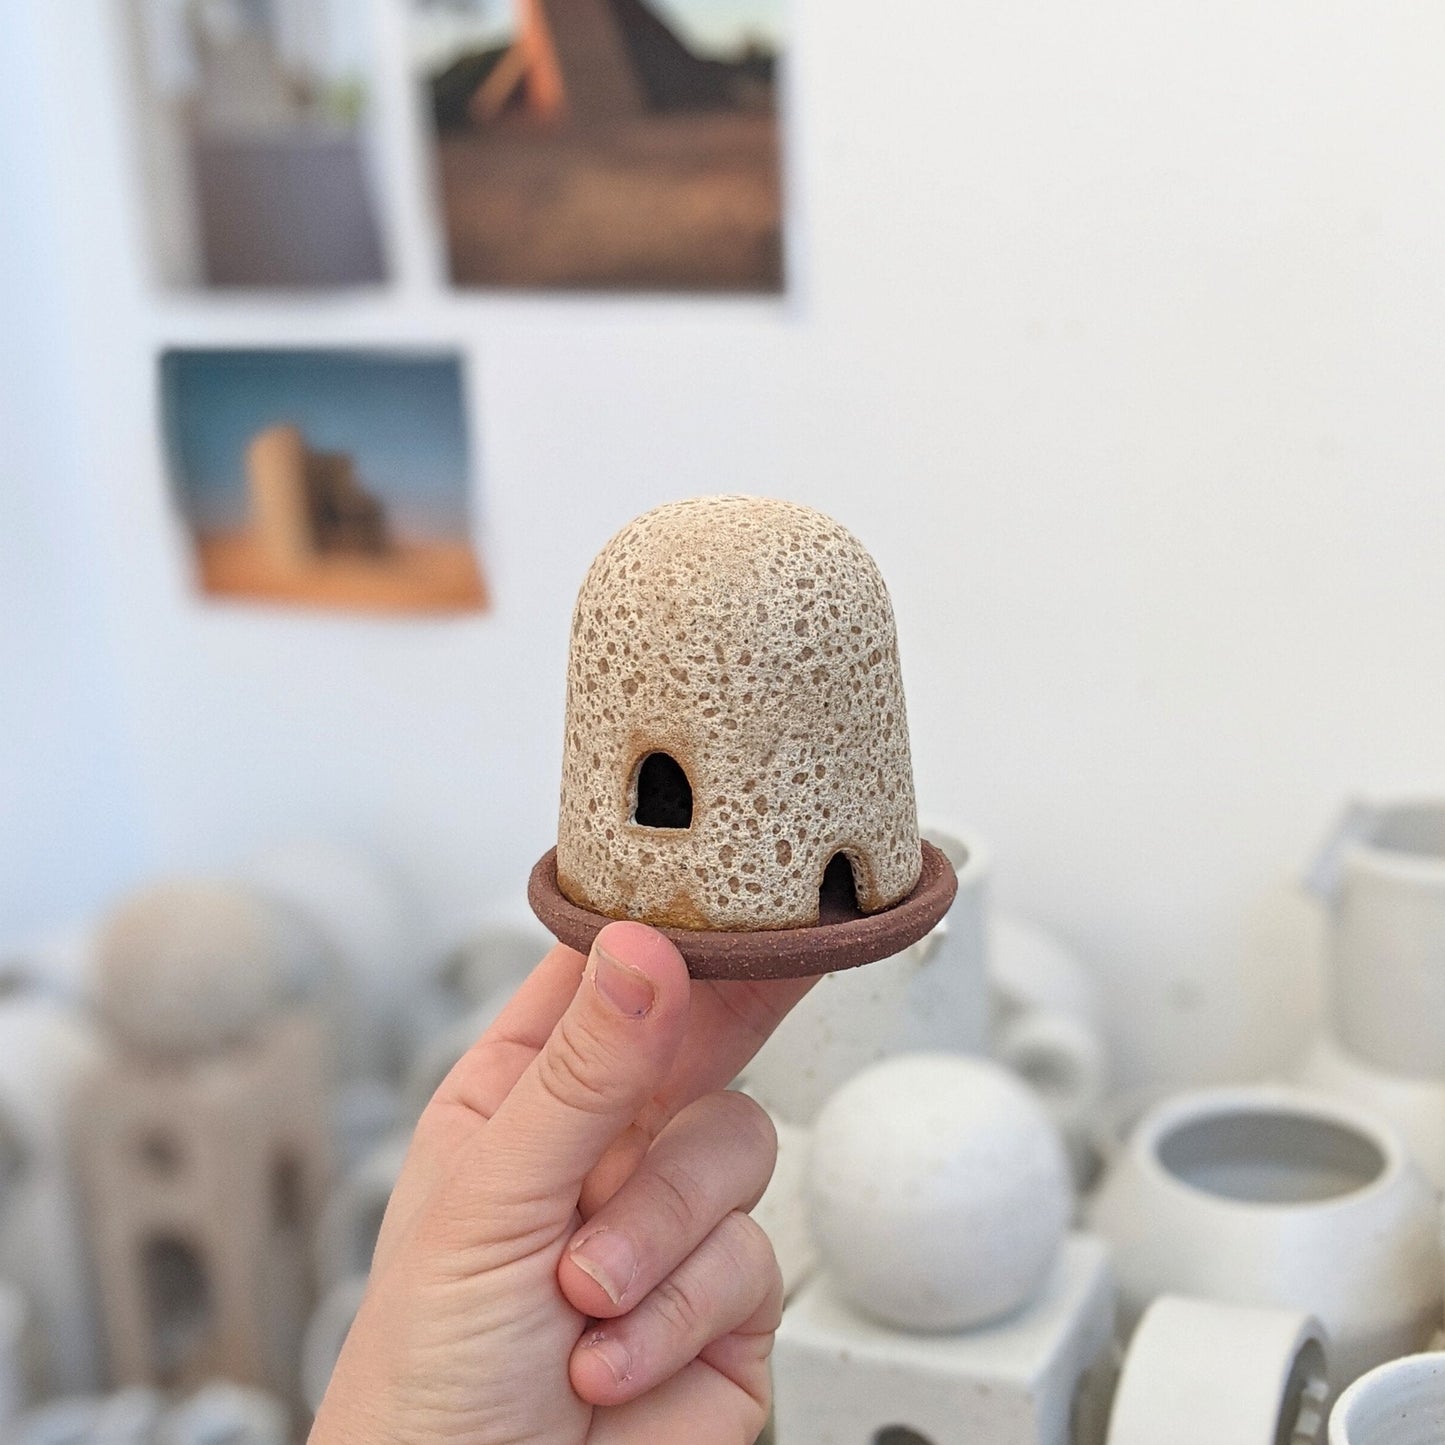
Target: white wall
[
  {"x": 1119, "y": 337},
  {"x": 68, "y": 827}
]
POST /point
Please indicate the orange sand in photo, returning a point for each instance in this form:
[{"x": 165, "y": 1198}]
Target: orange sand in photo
[{"x": 413, "y": 576}]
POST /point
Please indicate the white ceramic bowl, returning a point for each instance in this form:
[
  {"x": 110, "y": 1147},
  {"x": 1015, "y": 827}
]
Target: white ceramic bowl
[
  {"x": 1399, "y": 1403},
  {"x": 1261, "y": 1195}
]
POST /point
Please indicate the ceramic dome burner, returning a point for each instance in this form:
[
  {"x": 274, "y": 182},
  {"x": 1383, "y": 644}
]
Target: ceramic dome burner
[{"x": 736, "y": 769}]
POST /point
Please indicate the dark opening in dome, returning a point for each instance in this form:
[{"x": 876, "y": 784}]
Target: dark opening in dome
[
  {"x": 838, "y": 897},
  {"x": 664, "y": 795}
]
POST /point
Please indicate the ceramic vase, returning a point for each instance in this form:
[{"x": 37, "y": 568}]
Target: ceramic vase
[
  {"x": 1269, "y": 1196},
  {"x": 1399, "y": 1403}
]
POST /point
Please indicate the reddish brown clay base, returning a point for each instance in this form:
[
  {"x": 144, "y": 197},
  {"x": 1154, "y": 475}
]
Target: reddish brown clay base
[{"x": 846, "y": 939}]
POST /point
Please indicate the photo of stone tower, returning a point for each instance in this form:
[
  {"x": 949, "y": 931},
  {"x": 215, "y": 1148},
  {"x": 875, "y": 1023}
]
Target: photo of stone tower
[{"x": 327, "y": 479}]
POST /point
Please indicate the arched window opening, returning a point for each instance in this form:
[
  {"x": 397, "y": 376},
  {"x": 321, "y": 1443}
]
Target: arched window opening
[
  {"x": 838, "y": 897},
  {"x": 664, "y": 795},
  {"x": 178, "y": 1303}
]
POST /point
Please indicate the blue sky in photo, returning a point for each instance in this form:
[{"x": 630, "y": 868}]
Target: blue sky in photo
[{"x": 399, "y": 417}]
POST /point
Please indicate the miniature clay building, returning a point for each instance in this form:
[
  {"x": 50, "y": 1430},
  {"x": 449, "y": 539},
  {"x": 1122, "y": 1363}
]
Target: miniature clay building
[
  {"x": 200, "y": 1141},
  {"x": 736, "y": 755}
]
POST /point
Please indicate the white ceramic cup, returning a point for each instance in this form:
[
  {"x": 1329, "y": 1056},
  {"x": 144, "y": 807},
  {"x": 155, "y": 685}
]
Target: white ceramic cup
[{"x": 1386, "y": 889}]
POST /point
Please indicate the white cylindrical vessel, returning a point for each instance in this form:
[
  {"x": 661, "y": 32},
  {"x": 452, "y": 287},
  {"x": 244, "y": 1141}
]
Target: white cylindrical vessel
[
  {"x": 1387, "y": 940},
  {"x": 1414, "y": 1105},
  {"x": 1400, "y": 1403},
  {"x": 1203, "y": 1373},
  {"x": 933, "y": 995},
  {"x": 1268, "y": 1196}
]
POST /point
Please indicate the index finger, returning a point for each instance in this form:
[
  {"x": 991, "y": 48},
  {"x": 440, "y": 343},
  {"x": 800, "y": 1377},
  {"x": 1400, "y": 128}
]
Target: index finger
[{"x": 730, "y": 1020}]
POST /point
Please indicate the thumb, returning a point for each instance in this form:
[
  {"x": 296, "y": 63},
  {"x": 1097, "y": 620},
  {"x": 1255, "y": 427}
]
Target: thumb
[{"x": 608, "y": 1054}]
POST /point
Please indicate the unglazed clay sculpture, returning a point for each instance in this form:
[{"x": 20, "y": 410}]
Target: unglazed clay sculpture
[
  {"x": 1398, "y": 1403},
  {"x": 939, "y": 1192},
  {"x": 1262, "y": 1195},
  {"x": 202, "y": 1146},
  {"x": 1203, "y": 1373},
  {"x": 840, "y": 1378},
  {"x": 736, "y": 767}
]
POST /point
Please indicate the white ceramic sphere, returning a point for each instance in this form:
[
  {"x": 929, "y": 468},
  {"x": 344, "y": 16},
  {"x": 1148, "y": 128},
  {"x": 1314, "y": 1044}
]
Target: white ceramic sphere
[
  {"x": 187, "y": 967},
  {"x": 938, "y": 1191}
]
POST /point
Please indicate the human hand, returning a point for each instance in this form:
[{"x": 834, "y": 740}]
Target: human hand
[{"x": 579, "y": 1165}]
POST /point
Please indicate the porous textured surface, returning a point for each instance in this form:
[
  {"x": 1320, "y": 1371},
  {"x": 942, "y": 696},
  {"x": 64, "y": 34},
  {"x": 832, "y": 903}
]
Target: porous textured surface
[
  {"x": 753, "y": 642},
  {"x": 187, "y": 967}
]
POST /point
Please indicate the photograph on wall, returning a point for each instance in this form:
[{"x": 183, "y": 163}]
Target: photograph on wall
[
  {"x": 258, "y": 159},
  {"x": 324, "y": 478},
  {"x": 607, "y": 144}
]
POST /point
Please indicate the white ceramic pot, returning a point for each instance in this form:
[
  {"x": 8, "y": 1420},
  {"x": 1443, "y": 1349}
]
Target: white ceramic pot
[
  {"x": 1269, "y": 1196},
  {"x": 1386, "y": 886},
  {"x": 1415, "y": 1106},
  {"x": 1062, "y": 1060},
  {"x": 1029, "y": 968},
  {"x": 1203, "y": 1373},
  {"x": 45, "y": 1051},
  {"x": 931, "y": 996},
  {"x": 938, "y": 1191},
  {"x": 1399, "y": 1403},
  {"x": 225, "y": 1414}
]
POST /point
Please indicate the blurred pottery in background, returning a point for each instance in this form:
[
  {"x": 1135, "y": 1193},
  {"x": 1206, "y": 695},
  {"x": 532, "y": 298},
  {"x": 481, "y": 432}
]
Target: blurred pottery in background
[
  {"x": 221, "y": 1413},
  {"x": 1383, "y": 875},
  {"x": 932, "y": 996},
  {"x": 1414, "y": 1106},
  {"x": 351, "y": 1218},
  {"x": 783, "y": 1210},
  {"x": 202, "y": 1141},
  {"x": 1274, "y": 1197},
  {"x": 128, "y": 1417},
  {"x": 1203, "y": 1373},
  {"x": 46, "y": 1049},
  {"x": 14, "y": 1385},
  {"x": 368, "y": 919},
  {"x": 1399, "y": 1403},
  {"x": 325, "y": 1334}
]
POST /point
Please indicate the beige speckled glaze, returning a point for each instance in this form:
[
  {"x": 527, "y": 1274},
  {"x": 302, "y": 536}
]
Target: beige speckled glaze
[{"x": 753, "y": 641}]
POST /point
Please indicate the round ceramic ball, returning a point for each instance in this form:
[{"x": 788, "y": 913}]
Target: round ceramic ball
[
  {"x": 188, "y": 967},
  {"x": 938, "y": 1190}
]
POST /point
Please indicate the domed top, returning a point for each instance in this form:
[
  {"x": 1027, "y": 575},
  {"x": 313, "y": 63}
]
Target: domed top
[
  {"x": 187, "y": 967},
  {"x": 735, "y": 723}
]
